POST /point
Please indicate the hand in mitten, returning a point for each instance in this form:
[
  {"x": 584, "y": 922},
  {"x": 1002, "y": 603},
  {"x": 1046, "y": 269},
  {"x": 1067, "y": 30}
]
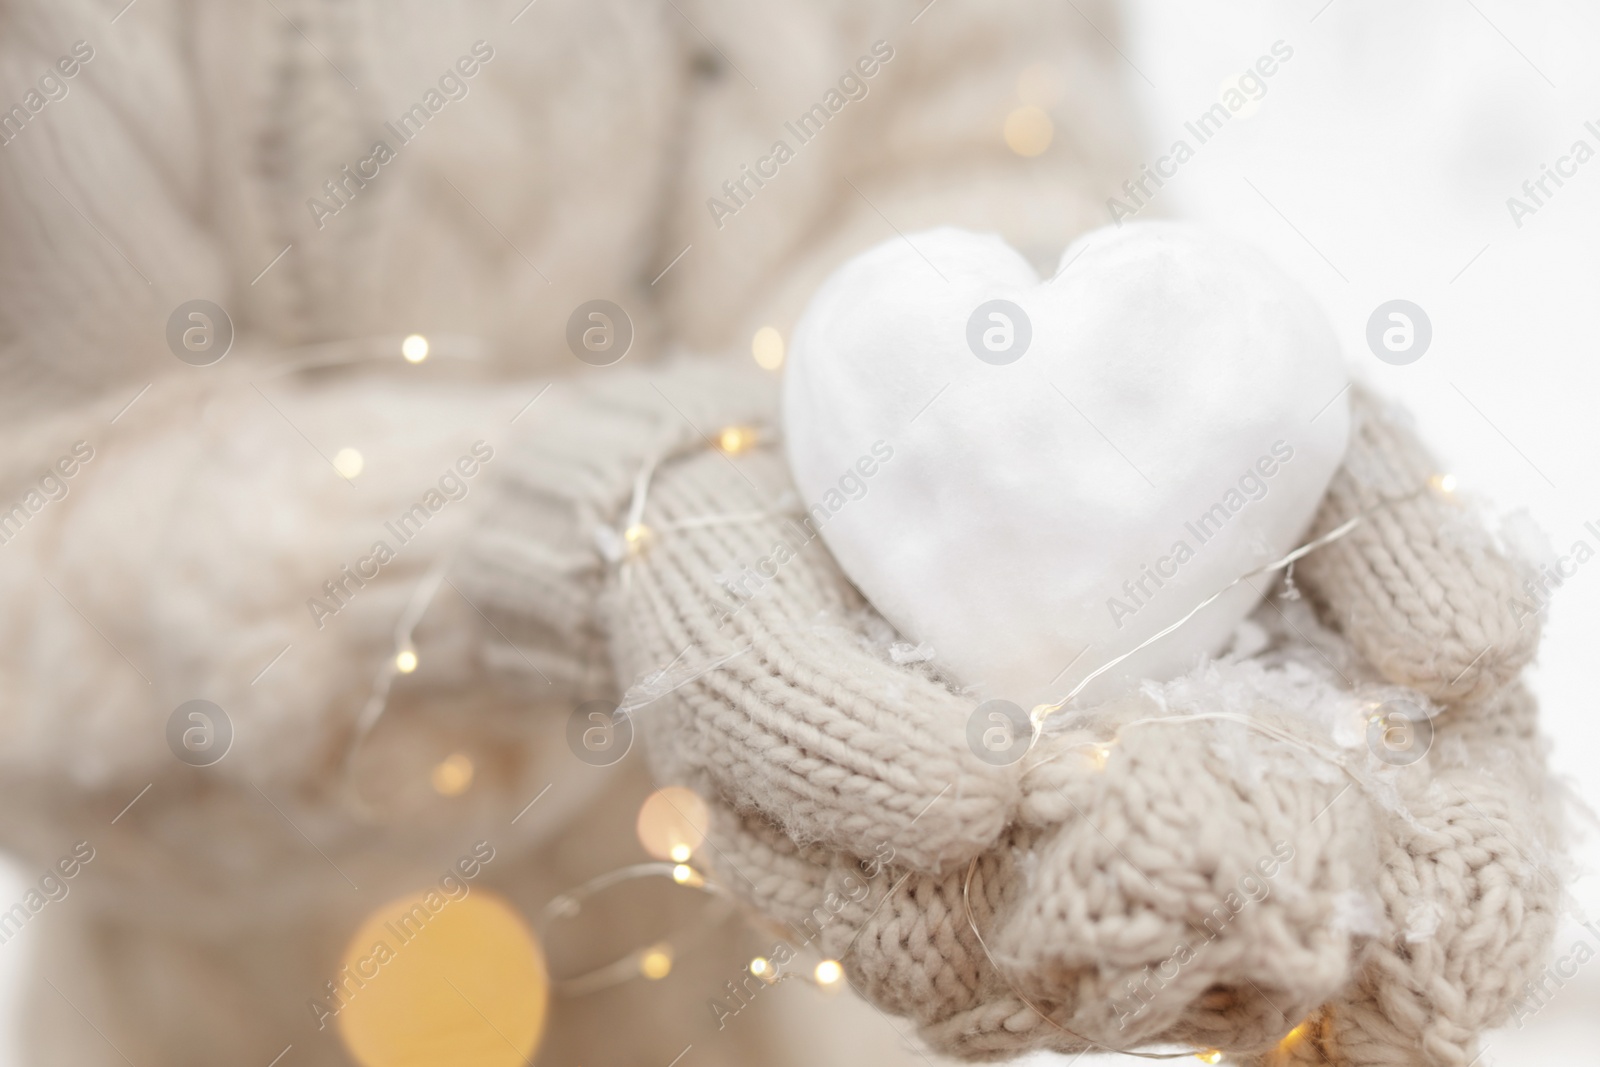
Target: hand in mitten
[{"x": 850, "y": 809}]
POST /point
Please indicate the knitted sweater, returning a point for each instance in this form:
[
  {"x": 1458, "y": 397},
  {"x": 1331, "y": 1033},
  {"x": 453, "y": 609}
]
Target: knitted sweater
[{"x": 562, "y": 153}]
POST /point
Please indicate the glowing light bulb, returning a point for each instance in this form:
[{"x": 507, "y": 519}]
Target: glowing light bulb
[
  {"x": 1028, "y": 130},
  {"x": 760, "y": 967},
  {"x": 1098, "y": 754},
  {"x": 828, "y": 972},
  {"x": 1445, "y": 483},
  {"x": 767, "y": 348},
  {"x": 1293, "y": 1036},
  {"x": 452, "y": 775},
  {"x": 405, "y": 661},
  {"x": 637, "y": 537},
  {"x": 414, "y": 348},
  {"x": 672, "y": 823},
  {"x": 684, "y": 874},
  {"x": 1210, "y": 1055},
  {"x": 736, "y": 439},
  {"x": 348, "y": 462},
  {"x": 656, "y": 962}
]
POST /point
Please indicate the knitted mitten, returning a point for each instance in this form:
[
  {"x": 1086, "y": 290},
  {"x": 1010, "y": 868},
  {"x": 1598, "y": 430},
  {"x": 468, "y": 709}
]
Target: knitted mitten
[{"x": 1207, "y": 882}]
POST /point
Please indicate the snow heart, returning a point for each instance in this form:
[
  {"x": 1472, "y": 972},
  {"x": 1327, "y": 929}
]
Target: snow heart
[{"x": 1079, "y": 461}]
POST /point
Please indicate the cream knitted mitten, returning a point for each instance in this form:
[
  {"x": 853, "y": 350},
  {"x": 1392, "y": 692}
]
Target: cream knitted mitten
[{"x": 1207, "y": 883}]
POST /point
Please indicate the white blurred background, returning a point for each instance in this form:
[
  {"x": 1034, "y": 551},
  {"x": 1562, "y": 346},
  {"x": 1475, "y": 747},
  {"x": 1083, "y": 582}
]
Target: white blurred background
[{"x": 1377, "y": 166}]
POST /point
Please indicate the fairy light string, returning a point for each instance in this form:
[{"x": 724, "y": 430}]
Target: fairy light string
[
  {"x": 413, "y": 349},
  {"x": 1044, "y": 711},
  {"x": 654, "y": 961},
  {"x": 625, "y": 543},
  {"x": 737, "y": 439}
]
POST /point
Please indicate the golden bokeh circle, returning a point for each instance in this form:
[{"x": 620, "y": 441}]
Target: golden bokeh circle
[
  {"x": 672, "y": 823},
  {"x": 459, "y": 981},
  {"x": 414, "y": 348},
  {"x": 349, "y": 462},
  {"x": 1028, "y": 130},
  {"x": 736, "y": 439},
  {"x": 655, "y": 963},
  {"x": 452, "y": 775},
  {"x": 767, "y": 348}
]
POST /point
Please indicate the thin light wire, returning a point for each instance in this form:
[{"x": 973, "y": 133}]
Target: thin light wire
[
  {"x": 379, "y": 349},
  {"x": 568, "y": 904},
  {"x": 764, "y": 437},
  {"x": 1044, "y": 711},
  {"x": 376, "y": 349},
  {"x": 624, "y": 968},
  {"x": 422, "y": 597}
]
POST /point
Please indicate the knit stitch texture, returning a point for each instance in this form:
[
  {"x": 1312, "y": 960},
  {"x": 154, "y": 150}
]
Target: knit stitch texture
[{"x": 1203, "y": 881}]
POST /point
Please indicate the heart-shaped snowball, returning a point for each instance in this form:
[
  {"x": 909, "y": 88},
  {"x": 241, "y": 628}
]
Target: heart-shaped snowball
[{"x": 1034, "y": 476}]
